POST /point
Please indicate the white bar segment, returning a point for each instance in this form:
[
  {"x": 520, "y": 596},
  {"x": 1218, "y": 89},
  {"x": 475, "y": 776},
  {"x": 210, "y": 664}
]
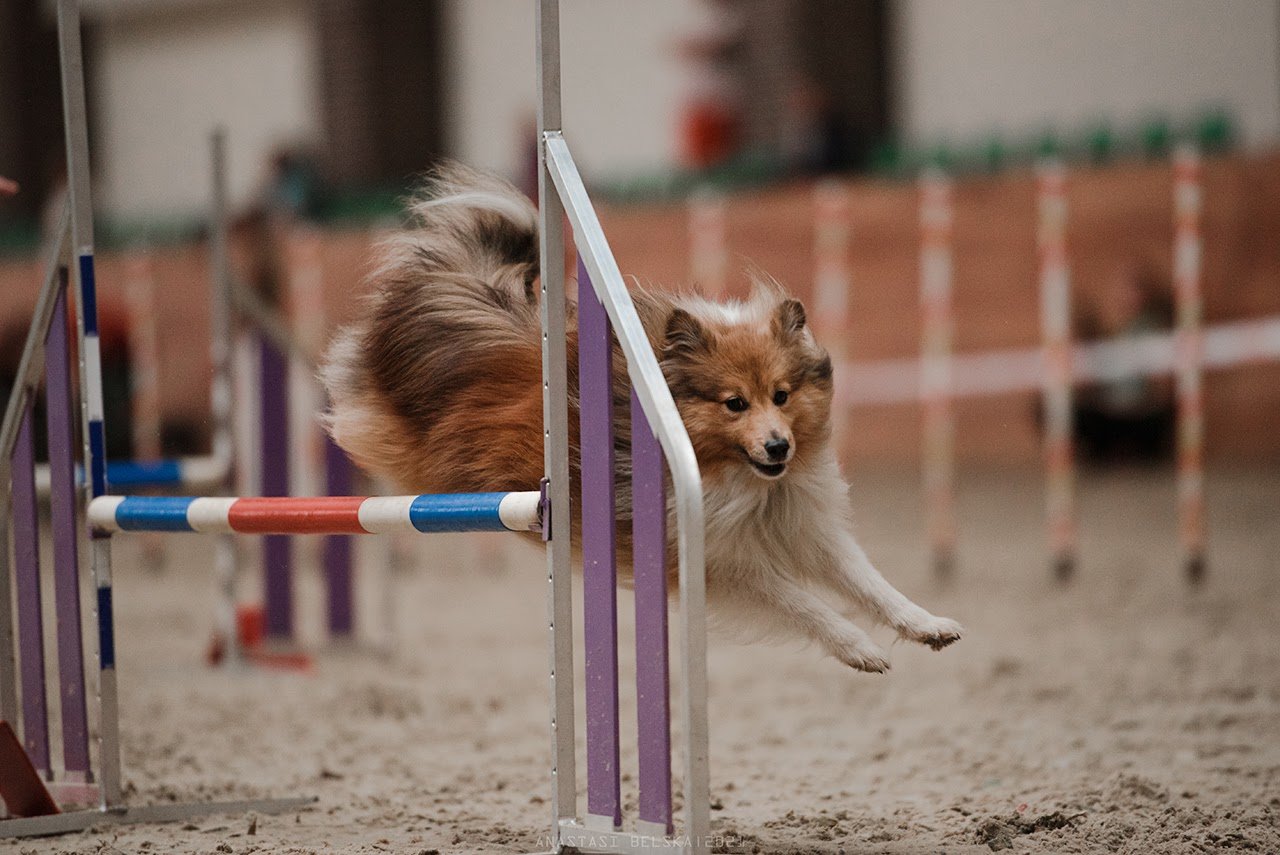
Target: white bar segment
[
  {"x": 210, "y": 515},
  {"x": 519, "y": 511},
  {"x": 102, "y": 513},
  {"x": 386, "y": 514},
  {"x": 93, "y": 365},
  {"x": 209, "y": 471}
]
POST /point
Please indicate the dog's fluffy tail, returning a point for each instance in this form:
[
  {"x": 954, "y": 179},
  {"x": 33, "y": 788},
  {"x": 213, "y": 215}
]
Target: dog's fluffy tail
[{"x": 453, "y": 311}]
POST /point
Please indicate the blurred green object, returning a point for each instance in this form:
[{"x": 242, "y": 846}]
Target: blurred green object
[
  {"x": 1100, "y": 144},
  {"x": 19, "y": 238},
  {"x": 994, "y": 154},
  {"x": 1215, "y": 132},
  {"x": 886, "y": 158},
  {"x": 361, "y": 206},
  {"x": 1156, "y": 138},
  {"x": 941, "y": 157},
  {"x": 1049, "y": 145},
  {"x": 114, "y": 233}
]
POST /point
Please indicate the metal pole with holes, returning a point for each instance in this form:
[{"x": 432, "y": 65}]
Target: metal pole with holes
[
  {"x": 555, "y": 395},
  {"x": 226, "y": 554},
  {"x": 94, "y": 454}
]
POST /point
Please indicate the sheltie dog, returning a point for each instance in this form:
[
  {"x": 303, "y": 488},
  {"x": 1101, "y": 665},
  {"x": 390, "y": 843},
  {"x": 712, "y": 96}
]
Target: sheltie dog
[{"x": 438, "y": 387}]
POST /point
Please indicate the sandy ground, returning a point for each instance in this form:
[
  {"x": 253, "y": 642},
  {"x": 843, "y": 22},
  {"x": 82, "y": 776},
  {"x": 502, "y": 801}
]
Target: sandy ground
[{"x": 1133, "y": 714}]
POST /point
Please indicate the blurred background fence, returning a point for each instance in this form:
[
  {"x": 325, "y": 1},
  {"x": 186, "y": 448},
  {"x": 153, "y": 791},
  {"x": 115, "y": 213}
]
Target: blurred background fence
[{"x": 333, "y": 106}]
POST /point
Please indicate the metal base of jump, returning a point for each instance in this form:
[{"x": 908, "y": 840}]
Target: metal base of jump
[
  {"x": 580, "y": 838},
  {"x": 80, "y": 820}
]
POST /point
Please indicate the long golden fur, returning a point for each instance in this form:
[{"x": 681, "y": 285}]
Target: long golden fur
[{"x": 438, "y": 388}]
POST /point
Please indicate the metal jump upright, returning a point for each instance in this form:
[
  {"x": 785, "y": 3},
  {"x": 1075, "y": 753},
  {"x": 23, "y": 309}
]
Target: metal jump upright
[
  {"x": 75, "y": 417},
  {"x": 605, "y": 305},
  {"x": 605, "y": 311}
]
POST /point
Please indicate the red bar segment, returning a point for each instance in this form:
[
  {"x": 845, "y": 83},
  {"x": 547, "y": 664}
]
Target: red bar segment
[{"x": 277, "y": 515}]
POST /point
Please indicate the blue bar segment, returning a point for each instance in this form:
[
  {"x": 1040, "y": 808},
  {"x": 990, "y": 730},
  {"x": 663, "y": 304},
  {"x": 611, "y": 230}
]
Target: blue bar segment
[
  {"x": 98, "y": 458},
  {"x": 154, "y": 513},
  {"x": 129, "y": 474},
  {"x": 457, "y": 512},
  {"x": 106, "y": 629},
  {"x": 89, "y": 295}
]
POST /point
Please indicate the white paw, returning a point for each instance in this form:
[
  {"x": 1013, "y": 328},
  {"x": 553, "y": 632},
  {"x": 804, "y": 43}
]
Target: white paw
[
  {"x": 863, "y": 657},
  {"x": 935, "y": 632}
]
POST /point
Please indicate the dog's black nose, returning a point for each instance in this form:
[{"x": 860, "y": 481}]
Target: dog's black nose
[{"x": 777, "y": 449}]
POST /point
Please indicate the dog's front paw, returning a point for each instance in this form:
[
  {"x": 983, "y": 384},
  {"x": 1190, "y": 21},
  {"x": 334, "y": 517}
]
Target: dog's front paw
[
  {"x": 935, "y": 632},
  {"x": 863, "y": 657}
]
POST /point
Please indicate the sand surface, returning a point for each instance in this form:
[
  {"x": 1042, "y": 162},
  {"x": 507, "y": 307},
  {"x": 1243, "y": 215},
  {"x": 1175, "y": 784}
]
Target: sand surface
[{"x": 1123, "y": 714}]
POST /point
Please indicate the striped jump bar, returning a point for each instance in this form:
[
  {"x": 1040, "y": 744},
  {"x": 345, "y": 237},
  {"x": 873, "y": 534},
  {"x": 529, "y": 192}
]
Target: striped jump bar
[
  {"x": 133, "y": 474},
  {"x": 190, "y": 472},
  {"x": 324, "y": 515}
]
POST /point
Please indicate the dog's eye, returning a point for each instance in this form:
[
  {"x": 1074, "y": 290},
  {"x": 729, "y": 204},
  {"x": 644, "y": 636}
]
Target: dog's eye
[
  {"x": 780, "y": 397},
  {"x": 736, "y": 404}
]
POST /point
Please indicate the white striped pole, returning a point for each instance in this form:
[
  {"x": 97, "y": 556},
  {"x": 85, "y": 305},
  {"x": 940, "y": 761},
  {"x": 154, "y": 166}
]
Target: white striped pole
[
  {"x": 832, "y": 282},
  {"x": 246, "y": 363},
  {"x": 1189, "y": 337},
  {"x": 937, "y": 326},
  {"x": 1012, "y": 370},
  {"x": 1055, "y": 325},
  {"x": 227, "y": 553},
  {"x": 303, "y": 307},
  {"x": 307, "y": 317},
  {"x": 709, "y": 242},
  {"x": 144, "y": 376},
  {"x": 427, "y": 514},
  {"x": 75, "y": 121}
]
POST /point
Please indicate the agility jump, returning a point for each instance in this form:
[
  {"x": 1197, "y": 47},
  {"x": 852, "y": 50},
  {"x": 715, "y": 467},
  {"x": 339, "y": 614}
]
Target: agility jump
[
  {"x": 658, "y": 435},
  {"x": 269, "y": 380},
  {"x": 938, "y": 375}
]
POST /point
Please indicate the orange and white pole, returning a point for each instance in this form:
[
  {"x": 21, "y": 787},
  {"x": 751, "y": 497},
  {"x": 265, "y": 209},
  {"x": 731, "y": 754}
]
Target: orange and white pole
[
  {"x": 937, "y": 330},
  {"x": 832, "y": 282},
  {"x": 709, "y": 242},
  {"x": 144, "y": 380},
  {"x": 1055, "y": 327},
  {"x": 1189, "y": 350}
]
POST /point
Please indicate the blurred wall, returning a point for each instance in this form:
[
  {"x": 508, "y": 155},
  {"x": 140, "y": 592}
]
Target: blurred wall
[
  {"x": 967, "y": 69},
  {"x": 622, "y": 81},
  {"x": 167, "y": 69},
  {"x": 1121, "y": 219},
  {"x": 166, "y": 72}
]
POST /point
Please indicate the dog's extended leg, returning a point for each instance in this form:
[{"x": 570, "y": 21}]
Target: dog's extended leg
[
  {"x": 854, "y": 575},
  {"x": 801, "y": 610}
]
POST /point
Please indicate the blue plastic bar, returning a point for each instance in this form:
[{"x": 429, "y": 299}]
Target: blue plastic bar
[
  {"x": 457, "y": 512},
  {"x": 325, "y": 515},
  {"x": 154, "y": 513},
  {"x": 129, "y": 474}
]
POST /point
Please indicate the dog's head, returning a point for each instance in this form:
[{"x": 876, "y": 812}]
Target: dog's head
[{"x": 752, "y": 385}]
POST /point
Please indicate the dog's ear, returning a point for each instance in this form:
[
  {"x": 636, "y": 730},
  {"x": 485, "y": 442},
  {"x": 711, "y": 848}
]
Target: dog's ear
[
  {"x": 789, "y": 319},
  {"x": 684, "y": 335}
]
